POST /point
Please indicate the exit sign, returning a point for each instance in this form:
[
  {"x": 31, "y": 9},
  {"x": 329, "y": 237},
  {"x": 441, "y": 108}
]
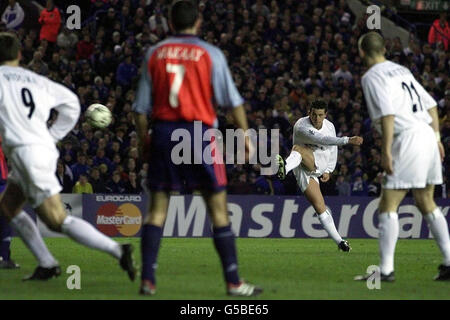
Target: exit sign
[{"x": 430, "y": 5}]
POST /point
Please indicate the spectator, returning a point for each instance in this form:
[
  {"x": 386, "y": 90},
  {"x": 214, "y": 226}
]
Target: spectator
[
  {"x": 440, "y": 31},
  {"x": 259, "y": 8},
  {"x": 13, "y": 15},
  {"x": 98, "y": 184},
  {"x": 343, "y": 187},
  {"x": 64, "y": 179},
  {"x": 269, "y": 185},
  {"x": 158, "y": 21},
  {"x": 132, "y": 185},
  {"x": 85, "y": 48},
  {"x": 240, "y": 185},
  {"x": 38, "y": 65},
  {"x": 359, "y": 187},
  {"x": 104, "y": 172},
  {"x": 67, "y": 39},
  {"x": 80, "y": 167},
  {"x": 115, "y": 185},
  {"x": 100, "y": 158},
  {"x": 126, "y": 72},
  {"x": 109, "y": 20},
  {"x": 82, "y": 185},
  {"x": 343, "y": 72},
  {"x": 50, "y": 20}
]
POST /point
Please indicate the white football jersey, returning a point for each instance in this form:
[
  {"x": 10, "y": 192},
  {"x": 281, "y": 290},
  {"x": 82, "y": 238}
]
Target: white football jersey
[
  {"x": 390, "y": 89},
  {"x": 26, "y": 99},
  {"x": 323, "y": 142}
]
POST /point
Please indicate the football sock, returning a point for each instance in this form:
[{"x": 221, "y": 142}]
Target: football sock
[
  {"x": 388, "y": 234},
  {"x": 29, "y": 233},
  {"x": 226, "y": 247},
  {"x": 5, "y": 238},
  {"x": 293, "y": 161},
  {"x": 326, "y": 219},
  {"x": 83, "y": 232},
  {"x": 439, "y": 228},
  {"x": 150, "y": 243}
]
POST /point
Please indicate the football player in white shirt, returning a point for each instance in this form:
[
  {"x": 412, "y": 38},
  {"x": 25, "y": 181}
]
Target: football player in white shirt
[
  {"x": 314, "y": 156},
  {"x": 26, "y": 99},
  {"x": 411, "y": 153}
]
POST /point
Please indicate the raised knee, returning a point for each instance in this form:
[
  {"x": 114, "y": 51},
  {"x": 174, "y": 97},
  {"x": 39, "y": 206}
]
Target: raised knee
[
  {"x": 297, "y": 148},
  {"x": 55, "y": 224}
]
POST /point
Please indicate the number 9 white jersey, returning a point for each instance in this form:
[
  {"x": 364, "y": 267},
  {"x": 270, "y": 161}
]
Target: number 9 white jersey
[
  {"x": 26, "y": 99},
  {"x": 390, "y": 89}
]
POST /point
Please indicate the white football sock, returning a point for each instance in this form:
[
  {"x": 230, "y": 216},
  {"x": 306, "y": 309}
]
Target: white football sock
[
  {"x": 326, "y": 219},
  {"x": 293, "y": 161},
  {"x": 439, "y": 228},
  {"x": 83, "y": 232},
  {"x": 29, "y": 233},
  {"x": 387, "y": 234}
]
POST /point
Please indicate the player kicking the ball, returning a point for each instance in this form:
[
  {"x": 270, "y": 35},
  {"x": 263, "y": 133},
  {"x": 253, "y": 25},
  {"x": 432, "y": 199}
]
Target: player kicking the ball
[
  {"x": 314, "y": 156},
  {"x": 411, "y": 153},
  {"x": 26, "y": 99}
]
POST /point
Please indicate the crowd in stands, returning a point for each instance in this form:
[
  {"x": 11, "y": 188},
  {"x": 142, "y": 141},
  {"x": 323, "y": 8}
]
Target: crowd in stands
[{"x": 283, "y": 55}]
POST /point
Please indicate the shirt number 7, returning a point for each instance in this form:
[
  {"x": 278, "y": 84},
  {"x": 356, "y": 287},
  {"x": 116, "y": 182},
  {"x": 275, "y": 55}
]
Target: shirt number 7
[{"x": 179, "y": 71}]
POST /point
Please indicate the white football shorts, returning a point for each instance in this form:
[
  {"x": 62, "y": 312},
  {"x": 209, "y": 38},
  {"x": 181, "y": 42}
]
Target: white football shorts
[
  {"x": 33, "y": 169},
  {"x": 416, "y": 160},
  {"x": 302, "y": 175}
]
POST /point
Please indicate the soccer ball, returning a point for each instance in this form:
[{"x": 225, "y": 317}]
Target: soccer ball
[{"x": 98, "y": 115}]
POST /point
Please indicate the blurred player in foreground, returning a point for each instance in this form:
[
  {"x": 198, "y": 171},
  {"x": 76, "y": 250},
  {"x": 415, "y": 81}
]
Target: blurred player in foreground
[
  {"x": 314, "y": 156},
  {"x": 26, "y": 99},
  {"x": 411, "y": 153},
  {"x": 5, "y": 230},
  {"x": 181, "y": 76}
]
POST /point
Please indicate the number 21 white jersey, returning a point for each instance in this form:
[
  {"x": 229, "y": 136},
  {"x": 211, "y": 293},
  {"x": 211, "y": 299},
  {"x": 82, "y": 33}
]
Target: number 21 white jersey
[
  {"x": 26, "y": 99},
  {"x": 390, "y": 89}
]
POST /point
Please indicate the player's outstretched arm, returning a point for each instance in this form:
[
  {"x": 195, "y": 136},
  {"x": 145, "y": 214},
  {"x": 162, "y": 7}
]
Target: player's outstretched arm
[
  {"x": 321, "y": 139},
  {"x": 435, "y": 125},
  {"x": 356, "y": 140}
]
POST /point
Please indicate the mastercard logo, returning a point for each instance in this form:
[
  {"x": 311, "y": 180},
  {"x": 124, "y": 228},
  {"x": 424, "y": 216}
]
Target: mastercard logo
[{"x": 113, "y": 220}]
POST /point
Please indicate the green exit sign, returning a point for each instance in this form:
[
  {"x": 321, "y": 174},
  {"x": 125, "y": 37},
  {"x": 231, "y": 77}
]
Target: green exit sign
[{"x": 430, "y": 5}]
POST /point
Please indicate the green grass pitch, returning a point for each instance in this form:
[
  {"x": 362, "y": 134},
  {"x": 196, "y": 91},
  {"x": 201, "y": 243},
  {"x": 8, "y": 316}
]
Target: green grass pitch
[{"x": 288, "y": 269}]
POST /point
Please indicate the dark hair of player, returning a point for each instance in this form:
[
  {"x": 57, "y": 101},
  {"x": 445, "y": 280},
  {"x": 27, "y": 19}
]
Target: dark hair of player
[
  {"x": 372, "y": 44},
  {"x": 9, "y": 47},
  {"x": 183, "y": 14},
  {"x": 319, "y": 104}
]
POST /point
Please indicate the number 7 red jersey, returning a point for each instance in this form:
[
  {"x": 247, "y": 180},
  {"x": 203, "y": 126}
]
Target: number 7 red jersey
[{"x": 182, "y": 79}]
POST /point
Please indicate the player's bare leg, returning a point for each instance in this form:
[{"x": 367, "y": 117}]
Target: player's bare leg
[
  {"x": 11, "y": 206},
  {"x": 52, "y": 213},
  {"x": 224, "y": 242},
  {"x": 151, "y": 238},
  {"x": 299, "y": 155},
  {"x": 315, "y": 197},
  {"x": 437, "y": 224}
]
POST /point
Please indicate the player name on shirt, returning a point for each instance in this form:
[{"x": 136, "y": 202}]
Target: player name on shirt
[
  {"x": 396, "y": 72},
  {"x": 180, "y": 53},
  {"x": 19, "y": 77}
]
